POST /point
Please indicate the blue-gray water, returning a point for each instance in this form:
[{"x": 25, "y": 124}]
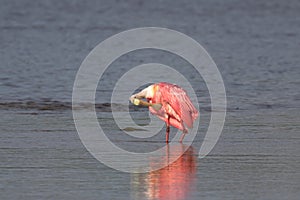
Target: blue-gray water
[{"x": 255, "y": 45}]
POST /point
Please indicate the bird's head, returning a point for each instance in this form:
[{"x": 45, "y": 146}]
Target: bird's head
[{"x": 147, "y": 93}]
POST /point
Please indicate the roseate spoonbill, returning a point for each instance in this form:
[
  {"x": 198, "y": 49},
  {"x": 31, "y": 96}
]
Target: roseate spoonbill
[{"x": 170, "y": 103}]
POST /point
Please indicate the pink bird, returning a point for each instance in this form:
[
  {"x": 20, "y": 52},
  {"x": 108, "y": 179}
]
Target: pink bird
[{"x": 170, "y": 103}]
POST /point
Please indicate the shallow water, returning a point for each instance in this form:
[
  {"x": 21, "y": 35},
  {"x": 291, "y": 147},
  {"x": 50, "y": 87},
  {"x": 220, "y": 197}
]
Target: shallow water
[{"x": 254, "y": 44}]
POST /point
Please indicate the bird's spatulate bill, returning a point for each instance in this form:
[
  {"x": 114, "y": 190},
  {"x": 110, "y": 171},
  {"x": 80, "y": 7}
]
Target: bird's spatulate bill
[{"x": 155, "y": 106}]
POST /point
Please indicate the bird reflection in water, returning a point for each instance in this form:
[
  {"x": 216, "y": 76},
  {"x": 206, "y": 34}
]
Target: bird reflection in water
[{"x": 173, "y": 182}]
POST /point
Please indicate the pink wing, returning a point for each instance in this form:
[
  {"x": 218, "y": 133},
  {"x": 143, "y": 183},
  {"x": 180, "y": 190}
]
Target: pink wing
[{"x": 177, "y": 103}]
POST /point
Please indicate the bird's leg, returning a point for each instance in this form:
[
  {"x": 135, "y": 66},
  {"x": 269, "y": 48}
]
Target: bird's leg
[
  {"x": 167, "y": 134},
  {"x": 168, "y": 130},
  {"x": 182, "y": 135}
]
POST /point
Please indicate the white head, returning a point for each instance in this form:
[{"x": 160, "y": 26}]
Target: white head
[{"x": 148, "y": 92}]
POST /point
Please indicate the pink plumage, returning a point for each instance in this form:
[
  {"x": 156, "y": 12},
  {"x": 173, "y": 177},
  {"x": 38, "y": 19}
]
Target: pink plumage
[
  {"x": 177, "y": 109},
  {"x": 175, "y": 104}
]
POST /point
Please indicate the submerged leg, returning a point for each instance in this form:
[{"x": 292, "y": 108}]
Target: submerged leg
[
  {"x": 168, "y": 130},
  {"x": 167, "y": 134}
]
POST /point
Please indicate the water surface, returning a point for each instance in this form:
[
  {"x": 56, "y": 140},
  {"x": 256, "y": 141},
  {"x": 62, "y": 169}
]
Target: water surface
[{"x": 256, "y": 47}]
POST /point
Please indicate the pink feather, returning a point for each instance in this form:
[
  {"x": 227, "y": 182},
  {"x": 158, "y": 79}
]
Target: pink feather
[{"x": 175, "y": 104}]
